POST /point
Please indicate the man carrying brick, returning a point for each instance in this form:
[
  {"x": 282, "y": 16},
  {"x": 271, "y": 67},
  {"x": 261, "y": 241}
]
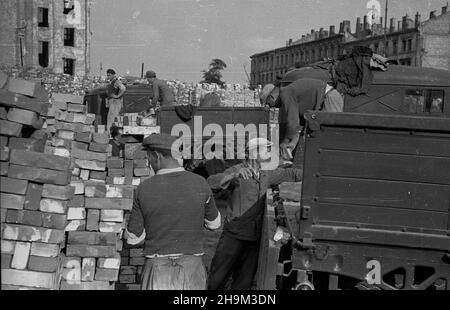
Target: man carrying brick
[
  {"x": 169, "y": 213},
  {"x": 238, "y": 248},
  {"x": 114, "y": 102}
]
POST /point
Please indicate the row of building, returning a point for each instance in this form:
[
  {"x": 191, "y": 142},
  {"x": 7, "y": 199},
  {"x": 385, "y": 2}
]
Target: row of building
[
  {"x": 410, "y": 42},
  {"x": 54, "y": 34}
]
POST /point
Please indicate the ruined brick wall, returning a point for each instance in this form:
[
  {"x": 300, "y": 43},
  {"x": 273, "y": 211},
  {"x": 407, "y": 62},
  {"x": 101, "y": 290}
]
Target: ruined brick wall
[{"x": 436, "y": 42}]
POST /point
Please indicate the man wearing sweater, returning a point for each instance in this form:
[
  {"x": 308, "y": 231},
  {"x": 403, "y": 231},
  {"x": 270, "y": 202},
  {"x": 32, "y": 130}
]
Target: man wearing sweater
[{"x": 169, "y": 213}]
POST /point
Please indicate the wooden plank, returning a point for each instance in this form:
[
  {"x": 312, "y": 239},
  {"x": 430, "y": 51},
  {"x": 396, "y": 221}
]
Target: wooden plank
[
  {"x": 405, "y": 195},
  {"x": 385, "y": 166}
]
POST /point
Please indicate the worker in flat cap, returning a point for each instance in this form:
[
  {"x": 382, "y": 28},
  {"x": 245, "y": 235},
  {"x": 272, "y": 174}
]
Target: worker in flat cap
[
  {"x": 169, "y": 213},
  {"x": 238, "y": 248},
  {"x": 114, "y": 101},
  {"x": 162, "y": 94}
]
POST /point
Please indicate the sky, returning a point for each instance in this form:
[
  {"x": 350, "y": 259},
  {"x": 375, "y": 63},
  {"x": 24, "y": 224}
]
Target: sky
[{"x": 179, "y": 38}]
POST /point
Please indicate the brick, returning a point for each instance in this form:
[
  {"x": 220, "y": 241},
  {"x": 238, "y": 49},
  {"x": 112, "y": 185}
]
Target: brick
[
  {"x": 116, "y": 172},
  {"x": 98, "y": 175},
  {"x": 21, "y": 255},
  {"x": 79, "y": 187},
  {"x": 3, "y": 79},
  {"x": 110, "y": 227},
  {"x": 124, "y": 261},
  {"x": 3, "y": 113},
  {"x": 58, "y": 192},
  {"x": 115, "y": 180},
  {"x": 90, "y": 118},
  {"x": 58, "y": 142},
  {"x": 28, "y": 88},
  {"x": 137, "y": 261},
  {"x": 77, "y": 108},
  {"x": 85, "y": 137},
  {"x": 8, "y": 246},
  {"x": 35, "y": 159},
  {"x": 44, "y": 249},
  {"x": 28, "y": 278},
  {"x": 3, "y": 215},
  {"x": 107, "y": 203},
  {"x": 140, "y": 163},
  {"x": 33, "y": 145},
  {"x": 66, "y": 134},
  {"x": 53, "y": 206},
  {"x": 127, "y": 270},
  {"x": 71, "y": 271},
  {"x": 90, "y": 164},
  {"x": 75, "y": 173},
  {"x": 129, "y": 170},
  {"x": 4, "y": 168},
  {"x": 76, "y": 225},
  {"x": 87, "y": 155},
  {"x": 33, "y": 218},
  {"x": 76, "y": 202},
  {"x": 13, "y": 186},
  {"x": 44, "y": 264},
  {"x": 33, "y": 196},
  {"x": 10, "y": 99},
  {"x": 92, "y": 238},
  {"x": 58, "y": 105},
  {"x": 4, "y": 141},
  {"x": 93, "y": 219},
  {"x": 59, "y": 151},
  {"x": 6, "y": 261},
  {"x": 109, "y": 263},
  {"x": 73, "y": 127},
  {"x": 115, "y": 163},
  {"x": 97, "y": 147},
  {"x": 102, "y": 274},
  {"x": 84, "y": 174},
  {"x": 76, "y": 214},
  {"x": 4, "y": 153},
  {"x": 139, "y": 172},
  {"x": 80, "y": 146},
  {"x": 54, "y": 221},
  {"x": 127, "y": 278},
  {"x": 20, "y": 116},
  {"x": 31, "y": 233},
  {"x": 137, "y": 252},
  {"x": 111, "y": 216},
  {"x": 90, "y": 250},
  {"x": 100, "y": 138},
  {"x": 88, "y": 269},
  {"x": 39, "y": 175},
  {"x": 67, "y": 98},
  {"x": 11, "y": 129},
  {"x": 11, "y": 201},
  {"x": 119, "y": 245},
  {"x": 118, "y": 191},
  {"x": 136, "y": 181},
  {"x": 98, "y": 191},
  {"x": 88, "y": 286}
]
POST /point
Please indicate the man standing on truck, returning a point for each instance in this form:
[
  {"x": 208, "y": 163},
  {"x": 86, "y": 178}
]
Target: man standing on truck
[
  {"x": 169, "y": 212},
  {"x": 114, "y": 100},
  {"x": 238, "y": 248},
  {"x": 161, "y": 91}
]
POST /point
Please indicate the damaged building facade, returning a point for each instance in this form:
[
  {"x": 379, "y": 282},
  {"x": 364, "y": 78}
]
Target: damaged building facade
[
  {"x": 409, "y": 41},
  {"x": 53, "y": 34}
]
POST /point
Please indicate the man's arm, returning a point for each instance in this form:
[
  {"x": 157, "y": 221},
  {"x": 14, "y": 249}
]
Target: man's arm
[
  {"x": 155, "y": 87},
  {"x": 281, "y": 175},
  {"x": 135, "y": 232},
  {"x": 122, "y": 89},
  {"x": 293, "y": 120},
  {"x": 223, "y": 180},
  {"x": 212, "y": 215}
]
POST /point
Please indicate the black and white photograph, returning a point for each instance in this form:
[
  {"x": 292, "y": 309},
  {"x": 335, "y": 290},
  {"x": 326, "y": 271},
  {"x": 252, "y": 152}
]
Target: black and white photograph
[{"x": 224, "y": 152}]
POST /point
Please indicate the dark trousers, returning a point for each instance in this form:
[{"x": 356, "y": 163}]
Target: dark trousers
[{"x": 236, "y": 258}]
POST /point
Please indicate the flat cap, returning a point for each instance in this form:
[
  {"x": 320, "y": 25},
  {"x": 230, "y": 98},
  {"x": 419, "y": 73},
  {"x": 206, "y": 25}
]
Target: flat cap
[
  {"x": 160, "y": 141},
  {"x": 150, "y": 74}
]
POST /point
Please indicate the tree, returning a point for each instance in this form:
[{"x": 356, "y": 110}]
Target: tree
[{"x": 214, "y": 73}]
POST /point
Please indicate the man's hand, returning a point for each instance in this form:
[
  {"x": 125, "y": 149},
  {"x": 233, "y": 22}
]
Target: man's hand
[
  {"x": 286, "y": 151},
  {"x": 246, "y": 173}
]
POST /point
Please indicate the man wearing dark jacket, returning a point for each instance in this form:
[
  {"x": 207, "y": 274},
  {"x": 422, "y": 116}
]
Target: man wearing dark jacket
[
  {"x": 161, "y": 91},
  {"x": 238, "y": 248},
  {"x": 169, "y": 212}
]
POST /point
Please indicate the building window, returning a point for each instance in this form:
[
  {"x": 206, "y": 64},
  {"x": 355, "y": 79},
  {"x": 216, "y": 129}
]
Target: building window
[
  {"x": 69, "y": 66},
  {"x": 69, "y": 36},
  {"x": 404, "y": 46},
  {"x": 43, "y": 54},
  {"x": 42, "y": 17},
  {"x": 409, "y": 45},
  {"x": 424, "y": 101},
  {"x": 68, "y": 6},
  {"x": 394, "y": 47}
]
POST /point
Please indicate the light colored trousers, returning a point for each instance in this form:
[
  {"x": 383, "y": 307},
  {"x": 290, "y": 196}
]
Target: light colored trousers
[
  {"x": 115, "y": 106},
  {"x": 184, "y": 273}
]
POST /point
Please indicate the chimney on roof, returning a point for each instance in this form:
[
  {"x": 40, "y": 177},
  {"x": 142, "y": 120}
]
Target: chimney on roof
[
  {"x": 417, "y": 20},
  {"x": 444, "y": 9},
  {"x": 312, "y": 31},
  {"x": 366, "y": 23},
  {"x": 432, "y": 14},
  {"x": 332, "y": 30},
  {"x": 347, "y": 26},
  {"x": 341, "y": 27},
  {"x": 358, "y": 25},
  {"x": 405, "y": 22},
  {"x": 399, "y": 26},
  {"x": 393, "y": 25}
]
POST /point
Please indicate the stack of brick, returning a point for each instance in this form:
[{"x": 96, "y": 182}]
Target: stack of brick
[{"x": 34, "y": 191}]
